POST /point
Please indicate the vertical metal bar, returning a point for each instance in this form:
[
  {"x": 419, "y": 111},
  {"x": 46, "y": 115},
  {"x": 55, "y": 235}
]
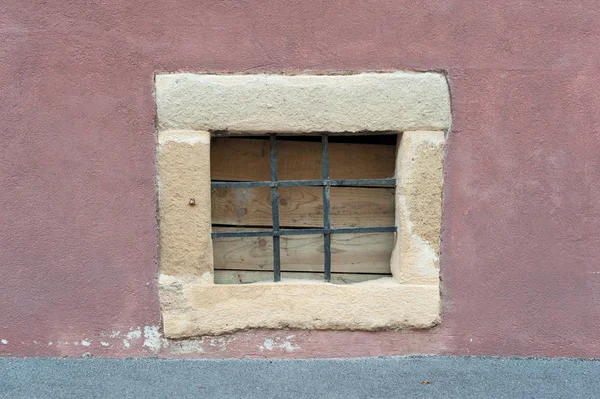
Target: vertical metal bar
[
  {"x": 326, "y": 210},
  {"x": 275, "y": 212}
]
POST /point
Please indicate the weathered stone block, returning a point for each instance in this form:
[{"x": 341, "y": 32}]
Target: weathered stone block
[
  {"x": 184, "y": 177},
  {"x": 302, "y": 103},
  {"x": 197, "y": 309},
  {"x": 419, "y": 179}
]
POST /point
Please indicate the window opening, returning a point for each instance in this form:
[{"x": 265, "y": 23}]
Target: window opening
[{"x": 326, "y": 183}]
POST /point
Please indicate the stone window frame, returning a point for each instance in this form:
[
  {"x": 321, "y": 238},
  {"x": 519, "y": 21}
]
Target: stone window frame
[{"x": 415, "y": 105}]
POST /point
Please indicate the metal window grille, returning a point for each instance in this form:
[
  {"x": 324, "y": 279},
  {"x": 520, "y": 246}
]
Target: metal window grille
[{"x": 326, "y": 231}]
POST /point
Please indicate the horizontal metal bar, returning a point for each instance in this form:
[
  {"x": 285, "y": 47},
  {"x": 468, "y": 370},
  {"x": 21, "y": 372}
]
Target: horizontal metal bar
[
  {"x": 292, "y": 183},
  {"x": 301, "y": 232},
  {"x": 281, "y": 183},
  {"x": 224, "y": 234},
  {"x": 363, "y": 182},
  {"x": 391, "y": 229},
  {"x": 241, "y": 184}
]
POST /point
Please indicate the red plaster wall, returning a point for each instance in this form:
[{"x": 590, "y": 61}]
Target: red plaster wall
[{"x": 521, "y": 222}]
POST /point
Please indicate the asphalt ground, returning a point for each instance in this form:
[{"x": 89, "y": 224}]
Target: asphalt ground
[{"x": 390, "y": 377}]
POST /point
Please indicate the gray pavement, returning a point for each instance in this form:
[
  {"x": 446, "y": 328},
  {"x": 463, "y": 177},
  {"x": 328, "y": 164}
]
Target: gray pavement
[{"x": 395, "y": 377}]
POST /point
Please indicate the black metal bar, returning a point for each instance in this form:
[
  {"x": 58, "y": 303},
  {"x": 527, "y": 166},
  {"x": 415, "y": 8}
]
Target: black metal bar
[
  {"x": 225, "y": 234},
  {"x": 241, "y": 184},
  {"x": 301, "y": 232},
  {"x": 326, "y": 210},
  {"x": 292, "y": 183},
  {"x": 363, "y": 182},
  {"x": 276, "y": 259},
  {"x": 389, "y": 229},
  {"x": 275, "y": 212}
]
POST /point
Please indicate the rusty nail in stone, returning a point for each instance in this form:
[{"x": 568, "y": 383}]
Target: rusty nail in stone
[{"x": 192, "y": 202}]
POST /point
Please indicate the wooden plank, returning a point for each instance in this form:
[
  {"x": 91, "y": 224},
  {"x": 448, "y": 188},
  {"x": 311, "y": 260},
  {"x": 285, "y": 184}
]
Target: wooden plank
[
  {"x": 350, "y": 253},
  {"x": 241, "y": 206},
  {"x": 249, "y": 276},
  {"x": 303, "y": 207},
  {"x": 241, "y": 159},
  {"x": 362, "y": 207},
  {"x": 236, "y": 159}
]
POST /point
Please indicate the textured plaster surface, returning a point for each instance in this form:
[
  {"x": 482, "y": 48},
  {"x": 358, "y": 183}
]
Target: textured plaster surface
[
  {"x": 520, "y": 226},
  {"x": 303, "y": 103}
]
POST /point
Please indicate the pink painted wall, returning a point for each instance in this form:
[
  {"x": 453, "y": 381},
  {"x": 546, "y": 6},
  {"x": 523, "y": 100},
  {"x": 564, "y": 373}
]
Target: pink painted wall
[{"x": 521, "y": 224}]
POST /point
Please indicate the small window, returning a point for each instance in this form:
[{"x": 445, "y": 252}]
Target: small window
[
  {"x": 302, "y": 207},
  {"x": 295, "y": 211}
]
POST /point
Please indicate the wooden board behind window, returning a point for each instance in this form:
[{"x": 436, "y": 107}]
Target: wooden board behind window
[
  {"x": 248, "y": 259},
  {"x": 241, "y": 159},
  {"x": 303, "y": 206},
  {"x": 350, "y": 253}
]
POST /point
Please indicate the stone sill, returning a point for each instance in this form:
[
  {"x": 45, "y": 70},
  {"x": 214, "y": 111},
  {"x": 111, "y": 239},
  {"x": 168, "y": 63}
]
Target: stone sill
[{"x": 195, "y": 307}]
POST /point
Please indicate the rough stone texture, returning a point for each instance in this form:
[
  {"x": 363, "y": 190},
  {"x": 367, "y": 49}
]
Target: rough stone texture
[
  {"x": 194, "y": 308},
  {"x": 303, "y": 103},
  {"x": 184, "y": 176},
  {"x": 419, "y": 170}
]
